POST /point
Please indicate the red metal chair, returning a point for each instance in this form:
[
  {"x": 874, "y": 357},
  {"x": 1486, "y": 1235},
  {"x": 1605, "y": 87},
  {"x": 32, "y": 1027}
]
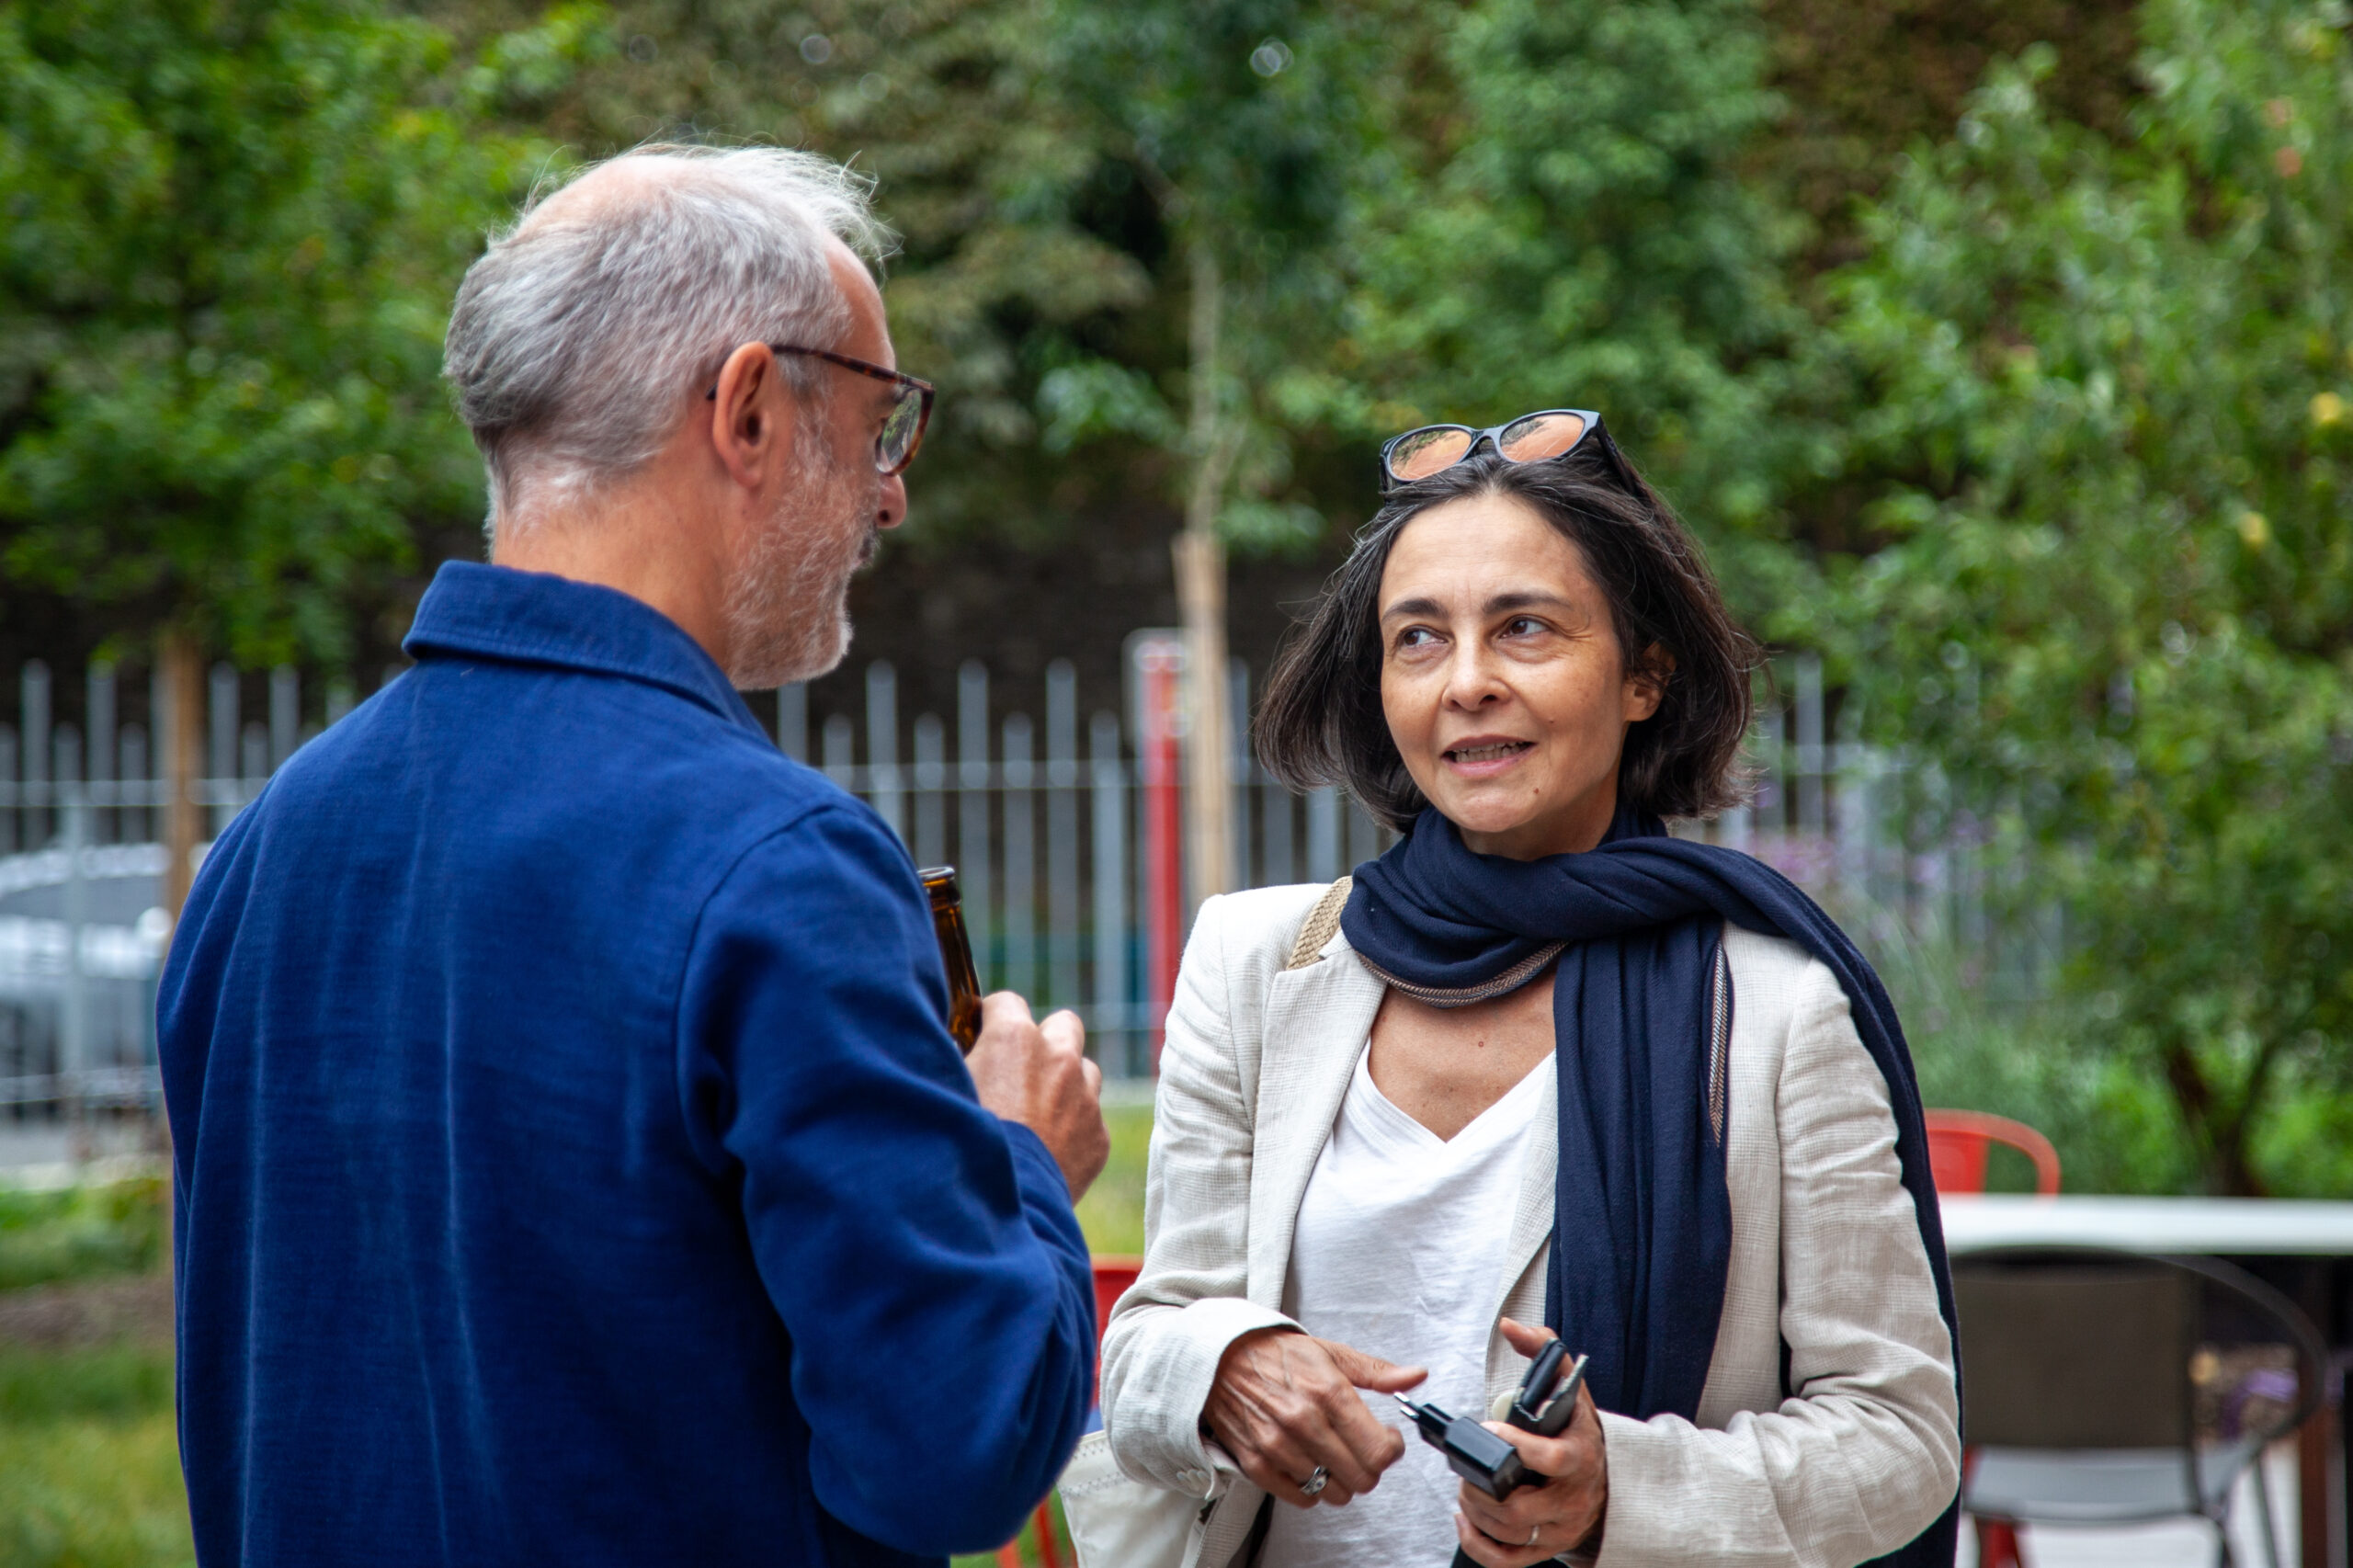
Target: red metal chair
[
  {"x": 1113, "y": 1275},
  {"x": 1959, "y": 1142}
]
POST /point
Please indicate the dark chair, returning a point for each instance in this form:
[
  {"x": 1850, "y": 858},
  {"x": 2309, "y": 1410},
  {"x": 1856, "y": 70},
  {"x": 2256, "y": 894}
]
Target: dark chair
[{"x": 2109, "y": 1388}]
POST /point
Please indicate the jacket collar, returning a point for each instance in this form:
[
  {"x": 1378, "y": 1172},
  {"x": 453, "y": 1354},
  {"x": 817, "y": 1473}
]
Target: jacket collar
[{"x": 532, "y": 618}]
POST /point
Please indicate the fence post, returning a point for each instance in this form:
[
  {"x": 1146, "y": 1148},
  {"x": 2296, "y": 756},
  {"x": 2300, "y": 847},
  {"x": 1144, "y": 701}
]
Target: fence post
[
  {"x": 1810, "y": 768},
  {"x": 1110, "y": 807},
  {"x": 285, "y": 715},
  {"x": 839, "y": 743},
  {"x": 8, "y": 784},
  {"x": 99, "y": 725},
  {"x": 74, "y": 1019},
  {"x": 930, "y": 779},
  {"x": 134, "y": 819},
  {"x": 1324, "y": 834},
  {"x": 1020, "y": 859},
  {"x": 972, "y": 812},
  {"x": 32, "y": 719},
  {"x": 1062, "y": 916},
  {"x": 220, "y": 760},
  {"x": 883, "y": 744},
  {"x": 792, "y": 720},
  {"x": 1276, "y": 864},
  {"x": 1160, "y": 661}
]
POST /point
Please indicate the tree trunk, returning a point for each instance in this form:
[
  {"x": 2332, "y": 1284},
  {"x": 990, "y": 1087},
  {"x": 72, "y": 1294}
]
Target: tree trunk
[
  {"x": 1200, "y": 595},
  {"x": 182, "y": 722},
  {"x": 2219, "y": 1129}
]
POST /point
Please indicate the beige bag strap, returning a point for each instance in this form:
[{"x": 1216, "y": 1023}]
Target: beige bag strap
[{"x": 1321, "y": 921}]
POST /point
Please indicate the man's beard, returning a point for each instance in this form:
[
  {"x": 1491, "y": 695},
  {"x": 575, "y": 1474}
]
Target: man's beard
[{"x": 787, "y": 607}]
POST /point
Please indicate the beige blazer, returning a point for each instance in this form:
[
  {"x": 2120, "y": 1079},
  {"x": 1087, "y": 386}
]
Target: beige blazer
[{"x": 1862, "y": 1454}]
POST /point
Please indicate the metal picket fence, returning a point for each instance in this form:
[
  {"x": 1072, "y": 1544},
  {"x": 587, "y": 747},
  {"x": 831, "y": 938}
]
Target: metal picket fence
[{"x": 1040, "y": 796}]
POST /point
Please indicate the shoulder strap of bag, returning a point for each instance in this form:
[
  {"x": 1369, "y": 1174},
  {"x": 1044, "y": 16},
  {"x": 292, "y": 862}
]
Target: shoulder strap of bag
[{"x": 1321, "y": 921}]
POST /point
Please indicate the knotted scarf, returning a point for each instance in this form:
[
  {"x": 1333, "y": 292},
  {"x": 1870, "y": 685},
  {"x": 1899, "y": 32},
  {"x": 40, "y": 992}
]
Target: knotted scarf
[{"x": 1642, "y": 1221}]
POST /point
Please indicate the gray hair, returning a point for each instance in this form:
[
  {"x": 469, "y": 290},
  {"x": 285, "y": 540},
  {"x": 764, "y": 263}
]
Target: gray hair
[{"x": 579, "y": 333}]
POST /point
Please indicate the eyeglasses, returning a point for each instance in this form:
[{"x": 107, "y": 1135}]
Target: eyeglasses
[
  {"x": 902, "y": 427},
  {"x": 1530, "y": 438}
]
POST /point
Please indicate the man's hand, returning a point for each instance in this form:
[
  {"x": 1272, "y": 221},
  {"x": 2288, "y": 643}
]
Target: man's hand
[
  {"x": 1284, "y": 1405},
  {"x": 1037, "y": 1075}
]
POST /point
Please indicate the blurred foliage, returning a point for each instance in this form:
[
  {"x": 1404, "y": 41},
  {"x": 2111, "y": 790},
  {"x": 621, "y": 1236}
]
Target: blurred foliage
[
  {"x": 2098, "y": 390},
  {"x": 89, "y": 1461},
  {"x": 232, "y": 232},
  {"x": 80, "y": 1233}
]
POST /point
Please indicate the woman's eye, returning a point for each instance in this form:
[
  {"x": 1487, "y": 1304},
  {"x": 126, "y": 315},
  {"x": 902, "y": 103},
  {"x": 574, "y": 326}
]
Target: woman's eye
[
  {"x": 1415, "y": 637},
  {"x": 1522, "y": 626}
]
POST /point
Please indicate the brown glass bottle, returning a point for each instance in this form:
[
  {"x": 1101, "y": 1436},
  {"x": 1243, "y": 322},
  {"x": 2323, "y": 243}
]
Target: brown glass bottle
[{"x": 956, "y": 953}]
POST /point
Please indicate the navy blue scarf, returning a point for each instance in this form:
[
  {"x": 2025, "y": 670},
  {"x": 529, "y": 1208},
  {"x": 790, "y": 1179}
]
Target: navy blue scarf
[{"x": 1643, "y": 1223}]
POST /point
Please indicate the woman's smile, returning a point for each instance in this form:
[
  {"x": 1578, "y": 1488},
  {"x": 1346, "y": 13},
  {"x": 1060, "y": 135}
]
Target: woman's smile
[{"x": 1484, "y": 757}]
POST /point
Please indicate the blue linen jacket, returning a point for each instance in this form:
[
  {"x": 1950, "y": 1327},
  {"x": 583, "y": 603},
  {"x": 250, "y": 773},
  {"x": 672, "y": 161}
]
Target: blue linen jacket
[{"x": 572, "y": 1163}]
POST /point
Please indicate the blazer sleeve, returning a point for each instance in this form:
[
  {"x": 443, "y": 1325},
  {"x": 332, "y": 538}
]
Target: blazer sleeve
[
  {"x": 916, "y": 1248},
  {"x": 1168, "y": 1332},
  {"x": 1865, "y": 1452}
]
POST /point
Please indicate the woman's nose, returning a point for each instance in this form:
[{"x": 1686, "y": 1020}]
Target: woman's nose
[{"x": 1470, "y": 679}]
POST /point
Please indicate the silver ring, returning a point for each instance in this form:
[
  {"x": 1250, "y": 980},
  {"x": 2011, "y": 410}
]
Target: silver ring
[
  {"x": 1314, "y": 1482},
  {"x": 1533, "y": 1531}
]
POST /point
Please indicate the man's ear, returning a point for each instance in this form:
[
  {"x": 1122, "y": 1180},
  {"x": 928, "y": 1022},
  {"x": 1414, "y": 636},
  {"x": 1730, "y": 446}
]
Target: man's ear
[
  {"x": 1646, "y": 683},
  {"x": 751, "y": 410}
]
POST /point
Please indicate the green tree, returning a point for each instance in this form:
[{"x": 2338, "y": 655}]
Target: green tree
[
  {"x": 233, "y": 227},
  {"x": 1242, "y": 119},
  {"x": 1022, "y": 248},
  {"x": 1557, "y": 216},
  {"x": 2101, "y": 392}
]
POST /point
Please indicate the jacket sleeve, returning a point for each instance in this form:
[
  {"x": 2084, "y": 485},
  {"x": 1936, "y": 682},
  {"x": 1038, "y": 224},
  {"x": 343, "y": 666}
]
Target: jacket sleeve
[
  {"x": 922, "y": 1254},
  {"x": 1169, "y": 1331},
  {"x": 1865, "y": 1452}
]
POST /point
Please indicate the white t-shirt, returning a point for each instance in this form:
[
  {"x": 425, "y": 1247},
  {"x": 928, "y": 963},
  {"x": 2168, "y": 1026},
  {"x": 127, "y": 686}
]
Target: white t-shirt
[{"x": 1399, "y": 1251}]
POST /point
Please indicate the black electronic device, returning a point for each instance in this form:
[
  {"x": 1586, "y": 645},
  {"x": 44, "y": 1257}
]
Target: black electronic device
[
  {"x": 1478, "y": 1456},
  {"x": 1488, "y": 1462}
]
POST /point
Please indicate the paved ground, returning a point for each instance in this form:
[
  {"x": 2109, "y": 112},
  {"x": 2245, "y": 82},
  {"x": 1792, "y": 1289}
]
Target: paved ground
[{"x": 102, "y": 1312}]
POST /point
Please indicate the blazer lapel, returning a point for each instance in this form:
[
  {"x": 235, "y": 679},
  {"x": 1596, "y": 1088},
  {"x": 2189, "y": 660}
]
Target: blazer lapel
[
  {"x": 1531, "y": 1213},
  {"x": 1316, "y": 1023}
]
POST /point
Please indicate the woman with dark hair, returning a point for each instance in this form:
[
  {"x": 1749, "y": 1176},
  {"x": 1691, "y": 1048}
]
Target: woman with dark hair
[{"x": 1538, "y": 1064}]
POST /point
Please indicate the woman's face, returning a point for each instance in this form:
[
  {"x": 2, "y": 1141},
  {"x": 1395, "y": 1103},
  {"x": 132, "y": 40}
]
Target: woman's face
[{"x": 1502, "y": 679}]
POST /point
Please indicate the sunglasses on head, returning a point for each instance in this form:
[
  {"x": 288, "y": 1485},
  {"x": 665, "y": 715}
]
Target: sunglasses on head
[
  {"x": 902, "y": 427},
  {"x": 1530, "y": 438}
]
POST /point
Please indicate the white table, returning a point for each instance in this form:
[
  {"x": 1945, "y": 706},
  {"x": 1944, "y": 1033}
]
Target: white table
[
  {"x": 2206, "y": 1227},
  {"x": 2238, "y": 1227}
]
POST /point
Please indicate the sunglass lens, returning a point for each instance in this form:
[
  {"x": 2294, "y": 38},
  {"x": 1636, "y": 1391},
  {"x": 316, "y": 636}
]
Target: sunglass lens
[
  {"x": 896, "y": 445},
  {"x": 1421, "y": 453},
  {"x": 1540, "y": 436}
]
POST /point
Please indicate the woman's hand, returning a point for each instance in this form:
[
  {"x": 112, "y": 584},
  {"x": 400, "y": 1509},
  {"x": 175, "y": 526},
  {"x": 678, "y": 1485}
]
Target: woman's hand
[
  {"x": 1538, "y": 1523},
  {"x": 1284, "y": 1405}
]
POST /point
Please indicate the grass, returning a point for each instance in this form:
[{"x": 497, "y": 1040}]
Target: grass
[
  {"x": 1112, "y": 1212},
  {"x": 89, "y": 1457},
  {"x": 81, "y": 1233},
  {"x": 89, "y": 1461}
]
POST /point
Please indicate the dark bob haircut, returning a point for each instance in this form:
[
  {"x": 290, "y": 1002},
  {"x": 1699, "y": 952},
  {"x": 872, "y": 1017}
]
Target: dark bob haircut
[{"x": 1322, "y": 722}]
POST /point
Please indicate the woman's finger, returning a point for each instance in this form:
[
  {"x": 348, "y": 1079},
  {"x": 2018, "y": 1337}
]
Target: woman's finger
[
  {"x": 1492, "y": 1553},
  {"x": 1529, "y": 1341}
]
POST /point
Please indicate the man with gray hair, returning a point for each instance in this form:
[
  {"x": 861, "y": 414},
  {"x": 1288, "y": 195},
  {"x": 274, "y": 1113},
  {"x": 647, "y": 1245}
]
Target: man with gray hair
[{"x": 572, "y": 1164}]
